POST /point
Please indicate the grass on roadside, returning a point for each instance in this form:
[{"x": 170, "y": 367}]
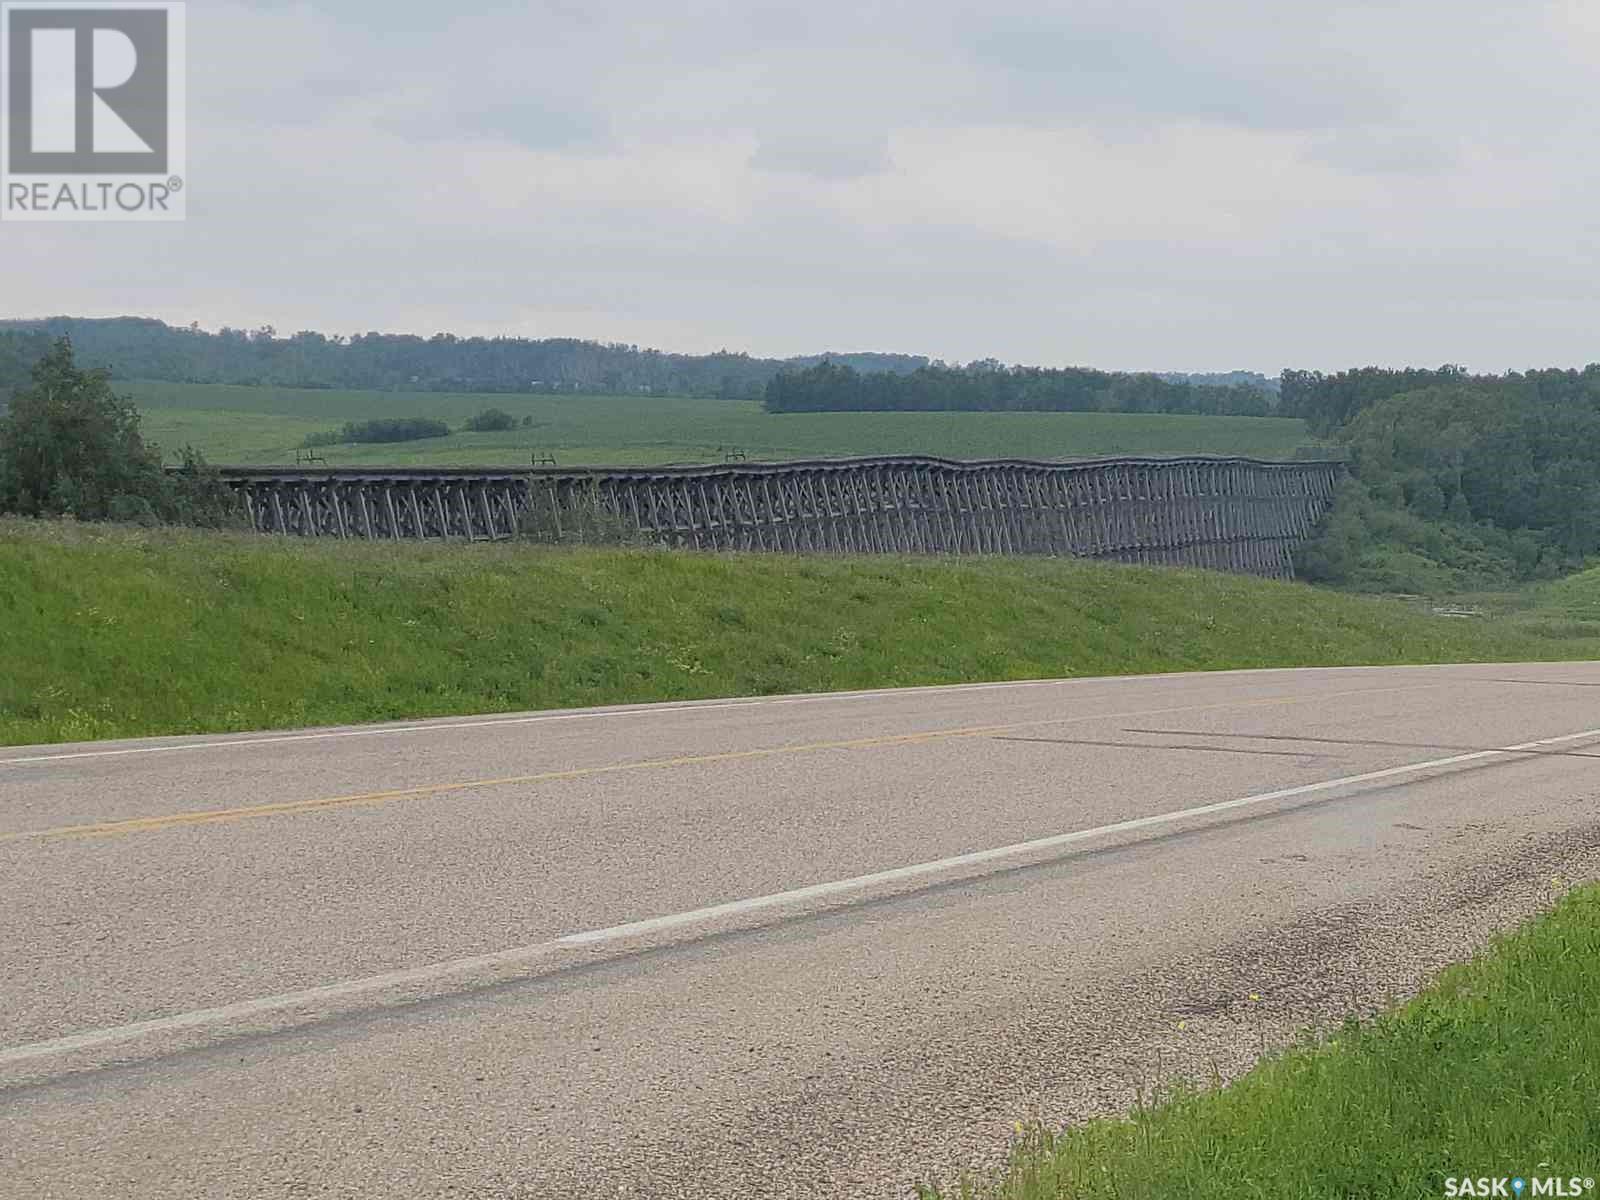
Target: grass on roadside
[
  {"x": 1494, "y": 1072},
  {"x": 113, "y": 631},
  {"x": 1561, "y": 609}
]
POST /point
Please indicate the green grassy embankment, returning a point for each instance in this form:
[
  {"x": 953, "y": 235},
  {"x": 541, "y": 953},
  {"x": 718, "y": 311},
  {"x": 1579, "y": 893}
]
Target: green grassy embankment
[
  {"x": 263, "y": 425},
  {"x": 1494, "y": 1072},
  {"x": 111, "y": 631}
]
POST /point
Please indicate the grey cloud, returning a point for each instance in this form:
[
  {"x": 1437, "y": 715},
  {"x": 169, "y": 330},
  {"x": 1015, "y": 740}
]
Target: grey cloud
[
  {"x": 530, "y": 124},
  {"x": 1387, "y": 151},
  {"x": 1128, "y": 75},
  {"x": 823, "y": 157}
]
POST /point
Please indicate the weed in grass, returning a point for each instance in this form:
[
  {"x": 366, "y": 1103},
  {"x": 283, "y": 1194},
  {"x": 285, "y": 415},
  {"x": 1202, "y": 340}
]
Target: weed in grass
[{"x": 580, "y": 519}]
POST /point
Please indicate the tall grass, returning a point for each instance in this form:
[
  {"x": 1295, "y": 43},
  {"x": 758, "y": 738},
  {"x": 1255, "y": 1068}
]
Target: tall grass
[{"x": 110, "y": 631}]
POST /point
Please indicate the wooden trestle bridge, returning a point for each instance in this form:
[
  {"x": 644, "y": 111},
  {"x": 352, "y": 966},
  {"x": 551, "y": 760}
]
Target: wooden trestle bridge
[{"x": 1230, "y": 514}]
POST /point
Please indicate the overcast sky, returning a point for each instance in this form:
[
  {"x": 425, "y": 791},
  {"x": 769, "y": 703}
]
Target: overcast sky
[{"x": 1163, "y": 185}]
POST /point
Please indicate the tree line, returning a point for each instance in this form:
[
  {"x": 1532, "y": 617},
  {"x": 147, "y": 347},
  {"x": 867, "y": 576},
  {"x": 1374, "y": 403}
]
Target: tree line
[
  {"x": 992, "y": 387},
  {"x": 140, "y": 348},
  {"x": 143, "y": 348}
]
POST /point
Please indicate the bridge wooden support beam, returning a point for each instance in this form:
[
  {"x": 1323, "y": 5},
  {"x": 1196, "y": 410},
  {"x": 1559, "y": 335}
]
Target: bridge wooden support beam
[{"x": 1238, "y": 515}]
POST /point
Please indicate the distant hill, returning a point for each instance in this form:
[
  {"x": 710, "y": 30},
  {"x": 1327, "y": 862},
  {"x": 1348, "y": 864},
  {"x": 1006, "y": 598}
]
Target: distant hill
[{"x": 18, "y": 352}]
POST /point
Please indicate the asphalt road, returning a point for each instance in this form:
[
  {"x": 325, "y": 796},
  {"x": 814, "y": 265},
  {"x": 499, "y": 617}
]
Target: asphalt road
[{"x": 804, "y": 946}]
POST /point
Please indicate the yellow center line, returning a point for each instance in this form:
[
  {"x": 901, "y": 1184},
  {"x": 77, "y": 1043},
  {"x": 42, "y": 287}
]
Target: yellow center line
[{"x": 365, "y": 799}]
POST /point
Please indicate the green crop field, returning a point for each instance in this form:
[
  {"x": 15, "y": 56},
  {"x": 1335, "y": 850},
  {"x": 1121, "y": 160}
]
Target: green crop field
[{"x": 263, "y": 426}]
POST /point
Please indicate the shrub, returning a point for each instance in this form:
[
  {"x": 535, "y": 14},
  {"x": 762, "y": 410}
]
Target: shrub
[
  {"x": 1368, "y": 542},
  {"x": 70, "y": 446},
  {"x": 386, "y": 429},
  {"x": 491, "y": 420}
]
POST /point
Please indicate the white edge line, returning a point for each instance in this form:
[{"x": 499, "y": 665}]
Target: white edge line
[
  {"x": 445, "y": 724},
  {"x": 522, "y": 955}
]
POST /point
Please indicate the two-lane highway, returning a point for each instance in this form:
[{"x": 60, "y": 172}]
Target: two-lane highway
[{"x": 796, "y": 946}]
